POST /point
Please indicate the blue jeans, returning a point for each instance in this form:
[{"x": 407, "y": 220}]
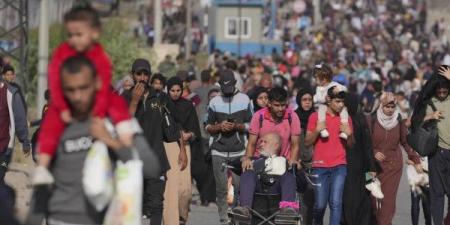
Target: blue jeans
[{"x": 328, "y": 188}]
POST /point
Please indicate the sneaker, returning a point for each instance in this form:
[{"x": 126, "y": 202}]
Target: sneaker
[
  {"x": 324, "y": 133},
  {"x": 343, "y": 135},
  {"x": 42, "y": 176},
  {"x": 242, "y": 211},
  {"x": 288, "y": 211},
  {"x": 375, "y": 188}
]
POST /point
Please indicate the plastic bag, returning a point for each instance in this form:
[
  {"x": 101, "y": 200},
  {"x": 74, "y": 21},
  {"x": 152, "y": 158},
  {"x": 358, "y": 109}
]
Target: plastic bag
[
  {"x": 126, "y": 207},
  {"x": 98, "y": 183}
]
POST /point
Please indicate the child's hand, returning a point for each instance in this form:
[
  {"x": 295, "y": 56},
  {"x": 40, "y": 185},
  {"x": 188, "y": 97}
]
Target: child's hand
[{"x": 66, "y": 116}]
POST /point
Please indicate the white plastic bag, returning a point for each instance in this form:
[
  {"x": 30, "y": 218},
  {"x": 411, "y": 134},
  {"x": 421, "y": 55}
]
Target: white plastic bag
[
  {"x": 98, "y": 183},
  {"x": 126, "y": 207}
]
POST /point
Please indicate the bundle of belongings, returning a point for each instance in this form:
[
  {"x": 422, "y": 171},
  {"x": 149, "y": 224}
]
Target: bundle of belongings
[{"x": 418, "y": 181}]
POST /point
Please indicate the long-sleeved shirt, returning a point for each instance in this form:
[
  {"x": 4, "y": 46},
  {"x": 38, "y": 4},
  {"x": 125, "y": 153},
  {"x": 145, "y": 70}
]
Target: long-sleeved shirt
[
  {"x": 388, "y": 142},
  {"x": 16, "y": 111},
  {"x": 237, "y": 108}
]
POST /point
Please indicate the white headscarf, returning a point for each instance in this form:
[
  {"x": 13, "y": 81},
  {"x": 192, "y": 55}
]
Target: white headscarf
[{"x": 387, "y": 122}]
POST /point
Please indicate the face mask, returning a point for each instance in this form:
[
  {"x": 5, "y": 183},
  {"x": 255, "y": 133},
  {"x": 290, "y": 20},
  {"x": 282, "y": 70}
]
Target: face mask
[{"x": 228, "y": 93}]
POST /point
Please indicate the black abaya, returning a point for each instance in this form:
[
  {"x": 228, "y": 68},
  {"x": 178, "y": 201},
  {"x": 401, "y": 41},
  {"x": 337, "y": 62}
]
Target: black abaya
[{"x": 357, "y": 209}]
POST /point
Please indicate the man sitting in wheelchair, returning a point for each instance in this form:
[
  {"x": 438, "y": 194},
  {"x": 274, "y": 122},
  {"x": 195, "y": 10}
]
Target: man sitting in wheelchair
[{"x": 268, "y": 175}]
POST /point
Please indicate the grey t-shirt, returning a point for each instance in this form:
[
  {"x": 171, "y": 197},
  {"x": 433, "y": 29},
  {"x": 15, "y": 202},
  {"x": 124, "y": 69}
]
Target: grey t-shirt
[{"x": 68, "y": 202}]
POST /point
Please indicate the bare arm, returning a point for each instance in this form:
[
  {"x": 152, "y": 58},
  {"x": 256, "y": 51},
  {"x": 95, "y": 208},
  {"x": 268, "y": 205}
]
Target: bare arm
[
  {"x": 247, "y": 159},
  {"x": 251, "y": 146},
  {"x": 295, "y": 147},
  {"x": 412, "y": 155},
  {"x": 133, "y": 106},
  {"x": 350, "y": 141},
  {"x": 311, "y": 138}
]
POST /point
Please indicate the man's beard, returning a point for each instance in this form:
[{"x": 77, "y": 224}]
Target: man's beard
[{"x": 265, "y": 153}]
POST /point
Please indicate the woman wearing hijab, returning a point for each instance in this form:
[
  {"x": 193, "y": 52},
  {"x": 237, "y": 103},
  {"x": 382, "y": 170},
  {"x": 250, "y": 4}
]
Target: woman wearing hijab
[
  {"x": 260, "y": 98},
  {"x": 388, "y": 133},
  {"x": 178, "y": 191},
  {"x": 356, "y": 200},
  {"x": 305, "y": 108}
]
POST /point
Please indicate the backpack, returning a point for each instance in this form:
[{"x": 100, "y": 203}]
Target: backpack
[{"x": 261, "y": 119}]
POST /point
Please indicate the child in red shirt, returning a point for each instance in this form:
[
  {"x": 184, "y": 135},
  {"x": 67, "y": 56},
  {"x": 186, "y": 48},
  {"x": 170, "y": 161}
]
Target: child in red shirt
[{"x": 83, "y": 27}]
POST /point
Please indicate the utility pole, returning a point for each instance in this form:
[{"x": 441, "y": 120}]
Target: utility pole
[
  {"x": 317, "y": 16},
  {"x": 239, "y": 31},
  {"x": 188, "y": 28},
  {"x": 157, "y": 21},
  {"x": 42, "y": 53}
]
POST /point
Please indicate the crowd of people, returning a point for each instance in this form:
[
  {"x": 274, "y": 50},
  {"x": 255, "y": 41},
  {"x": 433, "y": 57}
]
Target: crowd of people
[{"x": 326, "y": 121}]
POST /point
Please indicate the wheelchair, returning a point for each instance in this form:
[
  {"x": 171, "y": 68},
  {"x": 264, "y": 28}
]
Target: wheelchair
[{"x": 265, "y": 209}]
